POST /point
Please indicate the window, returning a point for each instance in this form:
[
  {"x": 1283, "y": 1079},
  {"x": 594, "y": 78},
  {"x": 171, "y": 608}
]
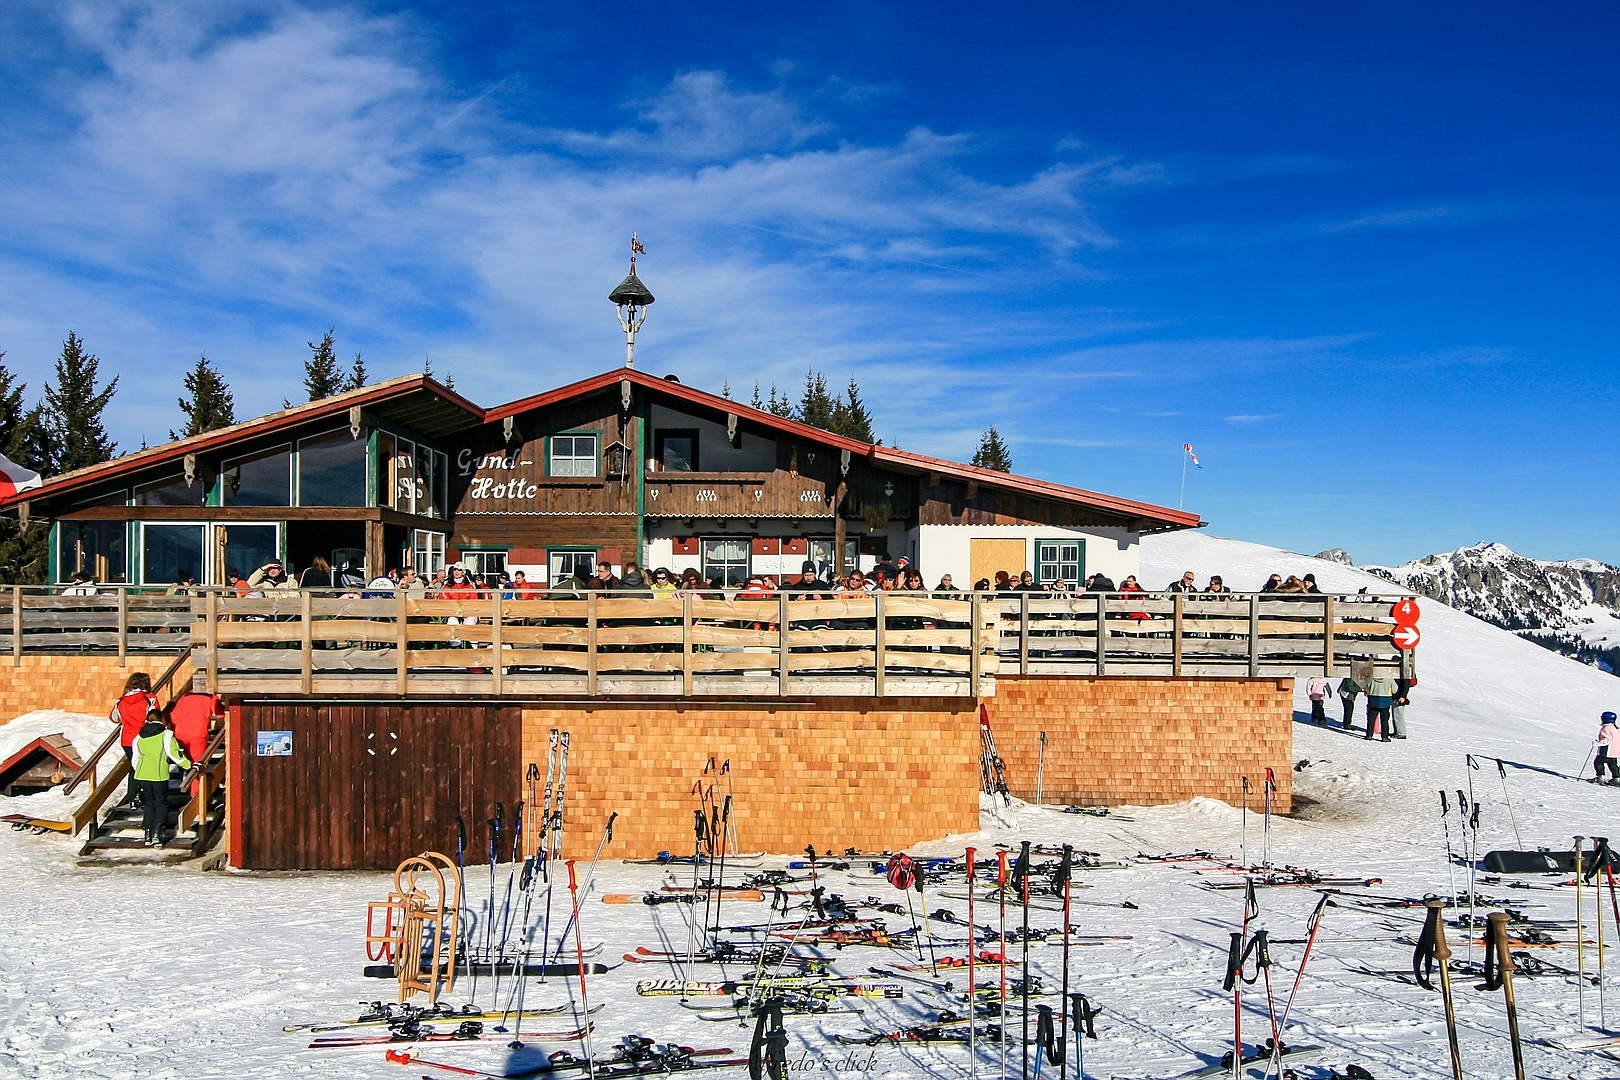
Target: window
[
  {"x": 383, "y": 482},
  {"x": 572, "y": 455},
  {"x": 96, "y": 547},
  {"x": 441, "y": 485},
  {"x": 677, "y": 450},
  {"x": 332, "y": 470},
  {"x": 167, "y": 551},
  {"x": 1059, "y": 560},
  {"x": 262, "y": 479},
  {"x": 172, "y": 491},
  {"x": 428, "y": 552},
  {"x": 247, "y": 547},
  {"x": 566, "y": 564},
  {"x": 485, "y": 566},
  {"x": 726, "y": 560},
  {"x": 403, "y": 475}
]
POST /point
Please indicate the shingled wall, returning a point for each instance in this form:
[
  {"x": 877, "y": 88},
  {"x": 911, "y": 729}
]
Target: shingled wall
[
  {"x": 836, "y": 772},
  {"x": 81, "y": 684},
  {"x": 1144, "y": 741}
]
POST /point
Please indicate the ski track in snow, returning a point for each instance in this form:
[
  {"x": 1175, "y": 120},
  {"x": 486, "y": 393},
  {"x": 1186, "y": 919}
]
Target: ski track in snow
[{"x": 165, "y": 972}]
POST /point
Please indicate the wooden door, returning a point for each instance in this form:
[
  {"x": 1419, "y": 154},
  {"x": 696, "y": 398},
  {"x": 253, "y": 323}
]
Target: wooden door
[{"x": 989, "y": 556}]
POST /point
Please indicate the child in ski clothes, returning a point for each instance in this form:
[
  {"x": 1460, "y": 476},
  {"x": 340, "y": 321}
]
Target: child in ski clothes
[
  {"x": 1608, "y": 746},
  {"x": 1380, "y": 696},
  {"x": 129, "y": 713},
  {"x": 1348, "y": 692},
  {"x": 1398, "y": 704},
  {"x": 1316, "y": 688},
  {"x": 155, "y": 747},
  {"x": 193, "y": 718}
]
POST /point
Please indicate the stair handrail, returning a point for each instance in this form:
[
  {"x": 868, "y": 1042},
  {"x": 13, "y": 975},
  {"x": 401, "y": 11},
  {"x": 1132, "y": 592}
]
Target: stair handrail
[
  {"x": 90, "y": 763},
  {"x": 202, "y": 771}
]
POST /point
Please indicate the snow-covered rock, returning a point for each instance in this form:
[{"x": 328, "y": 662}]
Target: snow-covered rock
[{"x": 1571, "y": 606}]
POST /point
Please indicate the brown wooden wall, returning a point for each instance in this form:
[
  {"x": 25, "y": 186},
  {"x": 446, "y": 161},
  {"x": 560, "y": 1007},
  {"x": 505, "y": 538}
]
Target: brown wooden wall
[
  {"x": 368, "y": 785},
  {"x": 947, "y": 503}
]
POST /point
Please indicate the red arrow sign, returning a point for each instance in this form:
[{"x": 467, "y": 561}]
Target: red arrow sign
[
  {"x": 1406, "y": 637},
  {"x": 1405, "y": 613}
]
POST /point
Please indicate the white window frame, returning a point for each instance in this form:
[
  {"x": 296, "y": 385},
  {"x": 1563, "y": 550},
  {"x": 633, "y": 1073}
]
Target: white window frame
[
  {"x": 747, "y": 559},
  {"x": 574, "y": 459},
  {"x": 427, "y": 552}
]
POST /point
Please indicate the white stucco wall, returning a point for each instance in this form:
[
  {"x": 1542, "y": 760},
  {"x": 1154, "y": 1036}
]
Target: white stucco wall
[{"x": 947, "y": 549}]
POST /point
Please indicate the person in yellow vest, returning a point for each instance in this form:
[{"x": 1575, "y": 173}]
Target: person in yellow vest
[{"x": 154, "y": 748}]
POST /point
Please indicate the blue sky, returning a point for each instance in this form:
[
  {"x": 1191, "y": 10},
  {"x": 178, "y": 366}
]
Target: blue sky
[{"x": 1362, "y": 258}]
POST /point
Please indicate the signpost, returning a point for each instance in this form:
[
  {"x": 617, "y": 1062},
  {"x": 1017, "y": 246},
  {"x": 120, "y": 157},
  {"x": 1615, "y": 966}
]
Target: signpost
[{"x": 1406, "y": 637}]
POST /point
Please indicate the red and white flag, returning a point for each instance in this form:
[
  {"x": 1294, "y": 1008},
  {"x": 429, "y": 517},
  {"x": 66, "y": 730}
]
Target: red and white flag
[
  {"x": 1188, "y": 448},
  {"x": 15, "y": 478}
]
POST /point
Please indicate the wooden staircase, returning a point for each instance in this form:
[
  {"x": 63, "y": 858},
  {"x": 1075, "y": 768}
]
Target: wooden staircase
[{"x": 193, "y": 820}]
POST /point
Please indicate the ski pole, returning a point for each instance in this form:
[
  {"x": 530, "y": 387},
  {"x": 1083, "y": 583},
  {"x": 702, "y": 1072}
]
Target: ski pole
[
  {"x": 1001, "y": 888},
  {"x": 1432, "y": 950},
  {"x": 1040, "y": 772},
  {"x": 1502, "y": 771},
  {"x": 1288, "y": 1007},
  {"x": 700, "y": 826},
  {"x": 1271, "y": 786},
  {"x": 1580, "y": 933},
  {"x": 1021, "y": 875},
  {"x": 494, "y": 827},
  {"x": 1065, "y": 869},
  {"x": 1245, "y": 834},
  {"x": 590, "y": 875},
  {"x": 579, "y": 951},
  {"x": 461, "y": 890},
  {"x": 972, "y": 949},
  {"x": 523, "y": 972},
  {"x": 1496, "y": 948},
  {"x": 928, "y": 932},
  {"x": 1445, "y": 822},
  {"x": 512, "y": 872}
]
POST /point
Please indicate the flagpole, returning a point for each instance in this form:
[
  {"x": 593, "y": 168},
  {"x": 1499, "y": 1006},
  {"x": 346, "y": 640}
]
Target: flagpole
[{"x": 1183, "y": 496}]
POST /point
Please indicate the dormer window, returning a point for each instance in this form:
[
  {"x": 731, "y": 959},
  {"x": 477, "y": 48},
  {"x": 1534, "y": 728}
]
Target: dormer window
[{"x": 677, "y": 450}]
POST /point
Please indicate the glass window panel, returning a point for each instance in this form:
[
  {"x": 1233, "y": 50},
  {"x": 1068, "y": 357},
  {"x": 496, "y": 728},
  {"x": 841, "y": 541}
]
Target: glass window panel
[
  {"x": 96, "y": 547},
  {"x": 332, "y": 470},
  {"x": 172, "y": 491},
  {"x": 486, "y": 565},
  {"x": 262, "y": 479},
  {"x": 441, "y": 485},
  {"x": 405, "y": 477},
  {"x": 566, "y": 564},
  {"x": 424, "y": 480},
  {"x": 384, "y": 480},
  {"x": 169, "y": 550},
  {"x": 573, "y": 455},
  {"x": 726, "y": 560},
  {"x": 428, "y": 552},
  {"x": 677, "y": 451},
  {"x": 248, "y": 547},
  {"x": 1058, "y": 561}
]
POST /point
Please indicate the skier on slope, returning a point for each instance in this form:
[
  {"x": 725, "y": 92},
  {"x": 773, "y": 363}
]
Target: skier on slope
[
  {"x": 153, "y": 750},
  {"x": 1608, "y": 746}
]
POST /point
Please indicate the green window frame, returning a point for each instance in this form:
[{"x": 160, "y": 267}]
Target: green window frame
[
  {"x": 574, "y": 458},
  {"x": 1053, "y": 562}
]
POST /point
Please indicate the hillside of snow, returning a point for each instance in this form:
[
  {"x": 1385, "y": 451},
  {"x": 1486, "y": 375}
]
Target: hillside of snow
[
  {"x": 1572, "y": 605},
  {"x": 165, "y": 972}
]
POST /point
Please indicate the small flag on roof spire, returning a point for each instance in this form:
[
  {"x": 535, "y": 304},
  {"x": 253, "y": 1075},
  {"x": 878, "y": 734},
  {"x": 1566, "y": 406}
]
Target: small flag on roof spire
[{"x": 1187, "y": 448}]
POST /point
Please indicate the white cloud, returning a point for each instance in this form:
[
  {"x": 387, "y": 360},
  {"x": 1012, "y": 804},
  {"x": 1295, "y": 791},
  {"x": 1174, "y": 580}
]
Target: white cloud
[{"x": 1388, "y": 220}]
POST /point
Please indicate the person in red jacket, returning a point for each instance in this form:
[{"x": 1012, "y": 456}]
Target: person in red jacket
[
  {"x": 129, "y": 712},
  {"x": 460, "y": 586},
  {"x": 193, "y": 717}
]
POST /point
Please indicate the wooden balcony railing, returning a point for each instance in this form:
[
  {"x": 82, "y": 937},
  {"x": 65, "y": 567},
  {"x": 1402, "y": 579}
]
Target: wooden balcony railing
[{"x": 613, "y": 644}]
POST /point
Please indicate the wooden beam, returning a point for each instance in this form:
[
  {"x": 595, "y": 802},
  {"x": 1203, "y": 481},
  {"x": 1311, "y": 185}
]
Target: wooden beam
[
  {"x": 976, "y": 659},
  {"x": 590, "y": 644},
  {"x": 402, "y": 646},
  {"x": 16, "y": 625},
  {"x": 1254, "y": 636},
  {"x": 783, "y": 653},
  {"x": 1023, "y": 633},
  {"x": 686, "y": 645},
  {"x": 375, "y": 556},
  {"x": 497, "y": 671},
  {"x": 123, "y": 626},
  {"x": 882, "y": 633},
  {"x": 1175, "y": 635},
  {"x": 1102, "y": 633},
  {"x": 1327, "y": 635},
  {"x": 211, "y": 636},
  {"x": 306, "y": 645}
]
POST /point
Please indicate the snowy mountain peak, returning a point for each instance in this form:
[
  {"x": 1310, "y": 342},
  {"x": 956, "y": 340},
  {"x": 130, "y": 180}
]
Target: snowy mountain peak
[{"x": 1571, "y": 606}]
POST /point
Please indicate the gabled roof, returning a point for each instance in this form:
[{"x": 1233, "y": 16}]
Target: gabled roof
[
  {"x": 417, "y": 402},
  {"x": 1144, "y": 517}
]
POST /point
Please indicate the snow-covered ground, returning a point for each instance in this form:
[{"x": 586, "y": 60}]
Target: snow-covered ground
[{"x": 118, "y": 972}]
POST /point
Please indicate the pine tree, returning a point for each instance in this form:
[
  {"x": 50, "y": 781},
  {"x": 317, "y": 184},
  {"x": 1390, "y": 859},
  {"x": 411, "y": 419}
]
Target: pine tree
[
  {"x": 993, "y": 453},
  {"x": 321, "y": 377},
  {"x": 780, "y": 406},
  {"x": 211, "y": 405},
  {"x": 850, "y": 418},
  {"x": 73, "y": 408},
  {"x": 725, "y": 389},
  {"x": 817, "y": 405},
  {"x": 756, "y": 403},
  {"x": 357, "y": 374}
]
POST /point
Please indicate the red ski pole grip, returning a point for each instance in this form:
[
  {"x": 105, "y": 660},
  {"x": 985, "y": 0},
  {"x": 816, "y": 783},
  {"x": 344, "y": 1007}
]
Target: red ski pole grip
[
  {"x": 971, "y": 852},
  {"x": 571, "y": 885},
  {"x": 1001, "y": 874}
]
